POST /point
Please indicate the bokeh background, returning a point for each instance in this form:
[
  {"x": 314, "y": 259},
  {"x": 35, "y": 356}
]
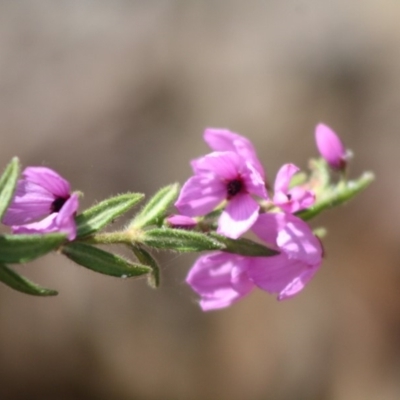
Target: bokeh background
[{"x": 115, "y": 96}]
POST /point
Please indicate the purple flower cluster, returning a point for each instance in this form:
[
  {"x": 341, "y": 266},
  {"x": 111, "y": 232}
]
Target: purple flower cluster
[
  {"x": 230, "y": 181},
  {"x": 232, "y": 178}
]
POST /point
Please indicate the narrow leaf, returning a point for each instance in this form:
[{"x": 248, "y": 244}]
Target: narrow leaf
[
  {"x": 98, "y": 216},
  {"x": 245, "y": 247},
  {"x": 180, "y": 240},
  {"x": 102, "y": 261},
  {"x": 157, "y": 207},
  {"x": 8, "y": 181},
  {"x": 17, "y": 249},
  {"x": 18, "y": 282},
  {"x": 146, "y": 258}
]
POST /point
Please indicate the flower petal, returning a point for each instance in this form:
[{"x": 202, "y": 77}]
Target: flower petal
[
  {"x": 181, "y": 221},
  {"x": 266, "y": 227},
  {"x": 297, "y": 284},
  {"x": 238, "y": 217},
  {"x": 280, "y": 275},
  {"x": 224, "y": 164},
  {"x": 46, "y": 225},
  {"x": 31, "y": 202},
  {"x": 301, "y": 199},
  {"x": 65, "y": 219},
  {"x": 220, "y": 279},
  {"x": 296, "y": 199},
  {"x": 48, "y": 179},
  {"x": 292, "y": 236},
  {"x": 254, "y": 182},
  {"x": 297, "y": 240},
  {"x": 200, "y": 195},
  {"x": 225, "y": 140},
  {"x": 284, "y": 176}
]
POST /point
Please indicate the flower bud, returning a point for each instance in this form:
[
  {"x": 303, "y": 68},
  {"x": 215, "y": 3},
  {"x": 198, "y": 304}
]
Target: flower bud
[
  {"x": 181, "y": 221},
  {"x": 330, "y": 147}
]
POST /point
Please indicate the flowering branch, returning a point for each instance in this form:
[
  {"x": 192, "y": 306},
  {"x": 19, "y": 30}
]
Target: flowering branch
[{"x": 227, "y": 196}]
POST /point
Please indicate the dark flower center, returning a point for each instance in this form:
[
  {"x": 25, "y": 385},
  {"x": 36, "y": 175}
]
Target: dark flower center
[
  {"x": 57, "y": 204},
  {"x": 234, "y": 187}
]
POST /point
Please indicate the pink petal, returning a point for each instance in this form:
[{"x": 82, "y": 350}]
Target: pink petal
[
  {"x": 31, "y": 202},
  {"x": 280, "y": 275},
  {"x": 66, "y": 217},
  {"x": 225, "y": 140},
  {"x": 46, "y": 225},
  {"x": 284, "y": 176},
  {"x": 296, "y": 199},
  {"x": 253, "y": 181},
  {"x": 226, "y": 165},
  {"x": 301, "y": 198},
  {"x": 297, "y": 240},
  {"x": 330, "y": 146},
  {"x": 266, "y": 227},
  {"x": 200, "y": 195},
  {"x": 48, "y": 179},
  {"x": 292, "y": 236},
  {"x": 220, "y": 279},
  {"x": 181, "y": 221},
  {"x": 297, "y": 284},
  {"x": 238, "y": 217}
]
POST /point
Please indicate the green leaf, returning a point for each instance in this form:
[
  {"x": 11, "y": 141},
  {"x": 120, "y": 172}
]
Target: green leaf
[
  {"x": 98, "y": 216},
  {"x": 180, "y": 240},
  {"x": 245, "y": 247},
  {"x": 157, "y": 207},
  {"x": 336, "y": 195},
  {"x": 146, "y": 258},
  {"x": 17, "y": 249},
  {"x": 18, "y": 282},
  {"x": 102, "y": 261},
  {"x": 8, "y": 181}
]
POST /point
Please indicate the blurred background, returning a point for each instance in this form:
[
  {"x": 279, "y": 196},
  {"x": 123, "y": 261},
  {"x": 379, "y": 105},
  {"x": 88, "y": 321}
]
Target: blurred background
[{"x": 115, "y": 96}]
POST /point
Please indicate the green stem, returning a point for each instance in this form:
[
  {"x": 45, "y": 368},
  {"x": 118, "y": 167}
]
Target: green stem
[
  {"x": 126, "y": 237},
  {"x": 338, "y": 195}
]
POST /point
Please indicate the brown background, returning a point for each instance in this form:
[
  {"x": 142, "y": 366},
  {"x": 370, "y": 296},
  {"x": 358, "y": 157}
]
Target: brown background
[{"x": 115, "y": 96}]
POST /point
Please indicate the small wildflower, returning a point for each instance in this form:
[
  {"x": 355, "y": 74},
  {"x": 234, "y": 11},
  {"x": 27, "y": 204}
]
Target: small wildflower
[
  {"x": 222, "y": 279},
  {"x": 290, "y": 199},
  {"x": 42, "y": 203},
  {"x": 223, "y": 176},
  {"x": 231, "y": 173}
]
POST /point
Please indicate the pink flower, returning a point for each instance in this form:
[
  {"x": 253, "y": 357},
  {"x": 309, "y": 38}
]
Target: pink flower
[
  {"x": 219, "y": 176},
  {"x": 330, "y": 147},
  {"x": 290, "y": 199},
  {"x": 42, "y": 203},
  {"x": 181, "y": 221},
  {"x": 221, "y": 279},
  {"x": 287, "y": 273}
]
